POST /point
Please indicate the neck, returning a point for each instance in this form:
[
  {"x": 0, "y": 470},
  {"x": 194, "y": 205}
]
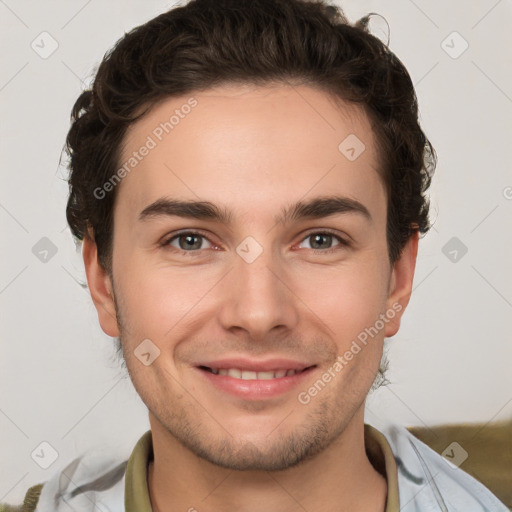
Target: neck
[{"x": 339, "y": 478}]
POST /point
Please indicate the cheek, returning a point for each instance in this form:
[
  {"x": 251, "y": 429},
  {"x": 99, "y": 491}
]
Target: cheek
[
  {"x": 156, "y": 299},
  {"x": 343, "y": 298},
  {"x": 348, "y": 299}
]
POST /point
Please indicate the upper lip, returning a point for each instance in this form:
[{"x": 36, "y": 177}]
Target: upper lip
[{"x": 267, "y": 365}]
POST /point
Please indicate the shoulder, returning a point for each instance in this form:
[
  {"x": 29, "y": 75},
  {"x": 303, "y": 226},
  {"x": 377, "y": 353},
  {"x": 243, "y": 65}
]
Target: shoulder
[
  {"x": 91, "y": 482},
  {"x": 29, "y": 502},
  {"x": 431, "y": 482}
]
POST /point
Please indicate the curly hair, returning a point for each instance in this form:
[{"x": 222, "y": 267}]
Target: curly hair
[{"x": 207, "y": 43}]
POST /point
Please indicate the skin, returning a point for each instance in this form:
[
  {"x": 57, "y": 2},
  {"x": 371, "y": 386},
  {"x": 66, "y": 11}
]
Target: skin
[{"x": 253, "y": 150}]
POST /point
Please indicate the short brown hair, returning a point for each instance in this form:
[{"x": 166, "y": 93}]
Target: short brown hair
[{"x": 207, "y": 43}]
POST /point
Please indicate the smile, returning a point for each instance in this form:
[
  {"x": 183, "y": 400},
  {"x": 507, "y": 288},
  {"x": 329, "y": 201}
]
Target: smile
[
  {"x": 251, "y": 375},
  {"x": 255, "y": 383}
]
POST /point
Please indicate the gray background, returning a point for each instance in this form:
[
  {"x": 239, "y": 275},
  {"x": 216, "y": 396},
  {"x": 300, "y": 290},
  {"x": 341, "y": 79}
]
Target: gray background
[{"x": 451, "y": 360}]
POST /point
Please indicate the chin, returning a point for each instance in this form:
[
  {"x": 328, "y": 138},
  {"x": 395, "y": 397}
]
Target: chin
[
  {"x": 249, "y": 457},
  {"x": 260, "y": 451}
]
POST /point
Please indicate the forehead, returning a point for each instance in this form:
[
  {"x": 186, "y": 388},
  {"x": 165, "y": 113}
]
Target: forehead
[{"x": 236, "y": 143}]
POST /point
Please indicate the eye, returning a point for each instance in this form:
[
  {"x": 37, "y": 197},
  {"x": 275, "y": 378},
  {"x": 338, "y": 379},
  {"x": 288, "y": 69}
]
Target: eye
[
  {"x": 192, "y": 242},
  {"x": 189, "y": 241},
  {"x": 320, "y": 239}
]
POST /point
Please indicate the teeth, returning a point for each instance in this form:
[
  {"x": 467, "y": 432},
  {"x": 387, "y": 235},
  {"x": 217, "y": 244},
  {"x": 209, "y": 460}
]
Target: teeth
[
  {"x": 250, "y": 375},
  {"x": 266, "y": 375}
]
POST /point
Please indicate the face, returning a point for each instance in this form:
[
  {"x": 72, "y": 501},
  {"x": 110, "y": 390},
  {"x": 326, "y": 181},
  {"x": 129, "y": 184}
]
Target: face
[{"x": 232, "y": 312}]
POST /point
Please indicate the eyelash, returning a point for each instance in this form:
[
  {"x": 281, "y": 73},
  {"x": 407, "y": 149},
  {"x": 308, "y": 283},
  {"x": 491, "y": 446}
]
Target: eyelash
[{"x": 166, "y": 243}]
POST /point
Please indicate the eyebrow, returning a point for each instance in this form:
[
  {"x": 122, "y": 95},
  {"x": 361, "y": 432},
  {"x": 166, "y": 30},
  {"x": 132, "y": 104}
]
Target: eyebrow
[{"x": 316, "y": 208}]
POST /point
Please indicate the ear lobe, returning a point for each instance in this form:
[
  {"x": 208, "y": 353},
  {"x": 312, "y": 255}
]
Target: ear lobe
[
  {"x": 101, "y": 289},
  {"x": 400, "y": 284}
]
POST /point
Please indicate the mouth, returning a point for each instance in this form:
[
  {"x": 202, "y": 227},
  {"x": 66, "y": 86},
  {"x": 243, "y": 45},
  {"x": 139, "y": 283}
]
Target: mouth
[
  {"x": 251, "y": 381},
  {"x": 238, "y": 373}
]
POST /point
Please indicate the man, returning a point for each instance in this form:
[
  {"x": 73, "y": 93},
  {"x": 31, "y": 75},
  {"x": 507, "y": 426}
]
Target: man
[{"x": 248, "y": 179}]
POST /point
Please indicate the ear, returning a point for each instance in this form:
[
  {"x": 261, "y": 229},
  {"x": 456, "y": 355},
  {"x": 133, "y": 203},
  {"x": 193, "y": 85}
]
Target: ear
[
  {"x": 400, "y": 284},
  {"x": 101, "y": 288}
]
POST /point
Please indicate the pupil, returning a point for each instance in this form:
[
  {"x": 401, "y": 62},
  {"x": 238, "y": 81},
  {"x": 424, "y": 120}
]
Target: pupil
[
  {"x": 319, "y": 238},
  {"x": 189, "y": 241}
]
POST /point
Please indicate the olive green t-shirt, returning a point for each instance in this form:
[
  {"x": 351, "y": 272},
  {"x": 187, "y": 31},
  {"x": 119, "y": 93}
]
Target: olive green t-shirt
[{"x": 136, "y": 487}]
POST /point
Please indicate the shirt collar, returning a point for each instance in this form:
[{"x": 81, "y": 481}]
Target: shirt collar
[{"x": 136, "y": 486}]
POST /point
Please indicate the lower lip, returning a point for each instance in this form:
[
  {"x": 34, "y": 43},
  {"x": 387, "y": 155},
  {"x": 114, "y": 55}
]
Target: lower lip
[{"x": 255, "y": 389}]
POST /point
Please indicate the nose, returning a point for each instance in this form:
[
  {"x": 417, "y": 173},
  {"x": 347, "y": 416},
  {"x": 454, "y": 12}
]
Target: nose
[{"x": 258, "y": 297}]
